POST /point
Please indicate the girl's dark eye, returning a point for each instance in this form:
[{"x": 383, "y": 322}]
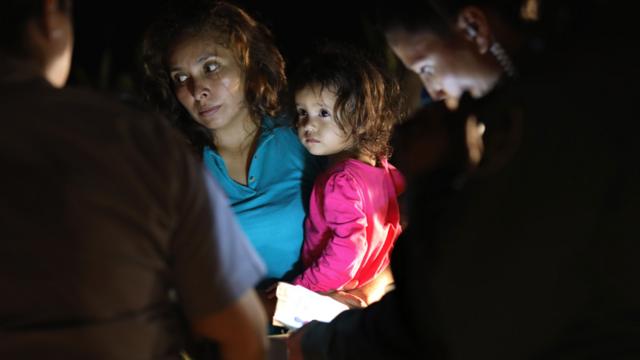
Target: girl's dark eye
[
  {"x": 302, "y": 113},
  {"x": 324, "y": 113}
]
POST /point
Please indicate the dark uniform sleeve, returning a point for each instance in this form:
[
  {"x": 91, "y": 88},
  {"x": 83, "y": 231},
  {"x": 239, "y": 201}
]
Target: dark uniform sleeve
[{"x": 376, "y": 332}]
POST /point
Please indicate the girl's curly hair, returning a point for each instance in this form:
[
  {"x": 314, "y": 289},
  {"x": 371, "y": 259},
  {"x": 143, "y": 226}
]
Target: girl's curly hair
[{"x": 368, "y": 101}]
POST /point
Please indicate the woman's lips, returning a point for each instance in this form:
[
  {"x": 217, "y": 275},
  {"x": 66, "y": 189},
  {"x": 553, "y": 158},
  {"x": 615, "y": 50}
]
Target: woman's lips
[{"x": 209, "y": 111}]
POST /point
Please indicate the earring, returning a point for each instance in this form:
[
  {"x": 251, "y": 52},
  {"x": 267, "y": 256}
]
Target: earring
[
  {"x": 497, "y": 50},
  {"x": 471, "y": 32},
  {"x": 503, "y": 59}
]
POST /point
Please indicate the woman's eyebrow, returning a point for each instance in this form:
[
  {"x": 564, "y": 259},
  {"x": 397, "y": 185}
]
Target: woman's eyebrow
[{"x": 200, "y": 60}]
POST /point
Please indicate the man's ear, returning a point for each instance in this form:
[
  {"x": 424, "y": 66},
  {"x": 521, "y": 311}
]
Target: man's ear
[
  {"x": 49, "y": 40},
  {"x": 473, "y": 24}
]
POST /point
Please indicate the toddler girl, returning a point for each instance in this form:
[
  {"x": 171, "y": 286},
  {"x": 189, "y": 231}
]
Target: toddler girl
[{"x": 346, "y": 108}]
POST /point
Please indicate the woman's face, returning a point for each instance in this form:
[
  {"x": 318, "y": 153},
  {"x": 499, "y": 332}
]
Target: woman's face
[
  {"x": 208, "y": 82},
  {"x": 447, "y": 67}
]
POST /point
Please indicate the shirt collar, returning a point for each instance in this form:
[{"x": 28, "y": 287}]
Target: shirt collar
[
  {"x": 267, "y": 127},
  {"x": 18, "y": 70}
]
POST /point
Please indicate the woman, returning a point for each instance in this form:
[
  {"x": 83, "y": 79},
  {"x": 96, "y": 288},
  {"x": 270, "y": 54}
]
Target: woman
[{"x": 218, "y": 74}]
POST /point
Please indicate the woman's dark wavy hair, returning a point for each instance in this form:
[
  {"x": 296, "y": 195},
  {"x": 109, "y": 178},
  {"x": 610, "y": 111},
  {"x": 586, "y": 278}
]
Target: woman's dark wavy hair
[
  {"x": 368, "y": 101},
  {"x": 251, "y": 43}
]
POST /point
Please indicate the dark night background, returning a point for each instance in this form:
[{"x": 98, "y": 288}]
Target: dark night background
[{"x": 109, "y": 34}]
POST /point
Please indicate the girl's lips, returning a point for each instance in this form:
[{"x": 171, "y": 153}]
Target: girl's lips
[
  {"x": 210, "y": 111},
  {"x": 311, "y": 140}
]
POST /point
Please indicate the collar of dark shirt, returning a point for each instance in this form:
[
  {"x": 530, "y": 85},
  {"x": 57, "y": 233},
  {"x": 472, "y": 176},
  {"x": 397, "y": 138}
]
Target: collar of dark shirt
[{"x": 16, "y": 70}]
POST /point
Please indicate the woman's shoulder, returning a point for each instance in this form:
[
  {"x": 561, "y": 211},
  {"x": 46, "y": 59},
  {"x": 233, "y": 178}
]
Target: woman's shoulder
[
  {"x": 285, "y": 138},
  {"x": 279, "y": 127}
]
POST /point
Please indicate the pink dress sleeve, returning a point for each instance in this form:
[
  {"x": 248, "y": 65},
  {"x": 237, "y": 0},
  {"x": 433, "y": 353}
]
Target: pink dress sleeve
[{"x": 340, "y": 259}]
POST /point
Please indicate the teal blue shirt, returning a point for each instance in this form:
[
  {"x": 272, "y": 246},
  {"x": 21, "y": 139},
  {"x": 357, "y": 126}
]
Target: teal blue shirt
[{"x": 271, "y": 208}]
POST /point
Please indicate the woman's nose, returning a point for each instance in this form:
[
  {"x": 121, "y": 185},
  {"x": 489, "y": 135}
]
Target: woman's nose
[{"x": 201, "y": 90}]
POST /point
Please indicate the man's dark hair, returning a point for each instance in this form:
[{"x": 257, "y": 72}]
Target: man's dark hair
[{"x": 436, "y": 15}]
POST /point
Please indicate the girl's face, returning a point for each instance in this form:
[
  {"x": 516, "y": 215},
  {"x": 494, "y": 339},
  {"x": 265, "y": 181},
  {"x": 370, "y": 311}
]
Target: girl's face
[
  {"x": 208, "y": 82},
  {"x": 317, "y": 128},
  {"x": 447, "y": 68}
]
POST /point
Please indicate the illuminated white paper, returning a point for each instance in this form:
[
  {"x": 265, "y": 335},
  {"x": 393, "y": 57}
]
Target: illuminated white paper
[{"x": 298, "y": 305}]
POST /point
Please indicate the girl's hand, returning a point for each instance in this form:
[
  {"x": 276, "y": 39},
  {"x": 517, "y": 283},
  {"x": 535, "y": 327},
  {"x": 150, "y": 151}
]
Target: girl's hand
[
  {"x": 375, "y": 289},
  {"x": 351, "y": 300}
]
